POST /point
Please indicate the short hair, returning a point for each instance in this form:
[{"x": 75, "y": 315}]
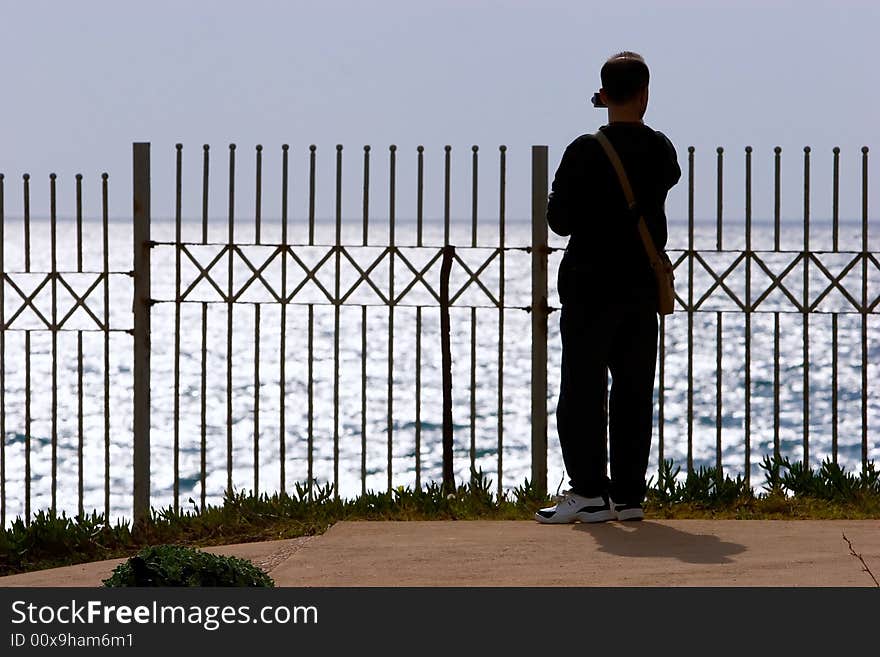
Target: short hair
[{"x": 624, "y": 75}]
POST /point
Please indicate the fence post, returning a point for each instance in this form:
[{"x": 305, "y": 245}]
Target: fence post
[
  {"x": 141, "y": 311},
  {"x": 539, "y": 318}
]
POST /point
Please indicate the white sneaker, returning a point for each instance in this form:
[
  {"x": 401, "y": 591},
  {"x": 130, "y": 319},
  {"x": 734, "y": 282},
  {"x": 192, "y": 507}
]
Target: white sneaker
[
  {"x": 570, "y": 507},
  {"x": 625, "y": 512}
]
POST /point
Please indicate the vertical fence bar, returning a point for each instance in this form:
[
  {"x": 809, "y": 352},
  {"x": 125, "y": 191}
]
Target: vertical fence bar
[
  {"x": 539, "y": 318},
  {"x": 864, "y": 306},
  {"x": 420, "y": 194},
  {"x": 446, "y": 266},
  {"x": 312, "y": 149},
  {"x": 310, "y": 456},
  {"x": 203, "y": 451},
  {"x": 336, "y": 309},
  {"x": 391, "y": 249},
  {"x": 806, "y": 312},
  {"x": 418, "y": 449},
  {"x": 311, "y": 336},
  {"x": 660, "y": 395},
  {"x": 835, "y": 217},
  {"x": 473, "y": 450},
  {"x": 27, "y": 222},
  {"x": 79, "y": 223},
  {"x": 777, "y": 208},
  {"x": 79, "y": 423},
  {"x": 366, "y": 203},
  {"x": 258, "y": 202},
  {"x": 834, "y": 387},
  {"x": 690, "y": 317},
  {"x": 777, "y": 195},
  {"x": 105, "y": 237},
  {"x": 230, "y": 294},
  {"x": 142, "y": 302},
  {"x": 364, "y": 400},
  {"x": 748, "y": 329},
  {"x": 2, "y": 356},
  {"x": 718, "y": 401},
  {"x": 776, "y": 450},
  {"x": 79, "y": 359},
  {"x": 474, "y": 187},
  {"x": 502, "y": 200},
  {"x": 53, "y": 247},
  {"x": 256, "y": 398},
  {"x": 474, "y": 191},
  {"x": 835, "y": 200},
  {"x": 27, "y": 427},
  {"x": 447, "y": 184},
  {"x": 282, "y": 392},
  {"x": 719, "y": 231},
  {"x": 719, "y": 245},
  {"x": 178, "y": 239},
  {"x": 205, "y": 175}
]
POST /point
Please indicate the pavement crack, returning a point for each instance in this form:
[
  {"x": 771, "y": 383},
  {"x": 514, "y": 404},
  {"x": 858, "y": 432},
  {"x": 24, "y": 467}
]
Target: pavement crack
[{"x": 861, "y": 559}]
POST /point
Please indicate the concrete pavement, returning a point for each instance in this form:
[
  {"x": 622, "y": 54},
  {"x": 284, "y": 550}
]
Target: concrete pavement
[{"x": 524, "y": 553}]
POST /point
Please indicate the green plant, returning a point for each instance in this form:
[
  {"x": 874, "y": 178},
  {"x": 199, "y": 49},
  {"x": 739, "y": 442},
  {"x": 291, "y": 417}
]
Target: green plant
[
  {"x": 801, "y": 480},
  {"x": 177, "y": 565},
  {"x": 835, "y": 483},
  {"x": 699, "y": 485},
  {"x": 50, "y": 539},
  {"x": 772, "y": 466},
  {"x": 526, "y": 495},
  {"x": 667, "y": 489},
  {"x": 869, "y": 481}
]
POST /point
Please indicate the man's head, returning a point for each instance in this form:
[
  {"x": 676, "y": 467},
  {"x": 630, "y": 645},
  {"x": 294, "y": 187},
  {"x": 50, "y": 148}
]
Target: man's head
[{"x": 625, "y": 78}]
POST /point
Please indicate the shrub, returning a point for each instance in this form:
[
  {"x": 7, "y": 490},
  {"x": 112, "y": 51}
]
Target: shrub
[{"x": 176, "y": 565}]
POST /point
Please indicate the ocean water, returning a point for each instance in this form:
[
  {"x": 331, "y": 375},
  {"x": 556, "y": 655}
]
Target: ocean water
[{"x": 336, "y": 410}]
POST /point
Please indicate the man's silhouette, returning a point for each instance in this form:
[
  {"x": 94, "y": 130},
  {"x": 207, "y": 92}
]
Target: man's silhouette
[{"x": 607, "y": 289}]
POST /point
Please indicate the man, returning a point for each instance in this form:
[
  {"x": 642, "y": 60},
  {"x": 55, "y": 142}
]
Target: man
[{"x": 607, "y": 289}]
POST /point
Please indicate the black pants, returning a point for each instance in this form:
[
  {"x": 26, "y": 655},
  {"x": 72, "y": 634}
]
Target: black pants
[{"x": 620, "y": 337}]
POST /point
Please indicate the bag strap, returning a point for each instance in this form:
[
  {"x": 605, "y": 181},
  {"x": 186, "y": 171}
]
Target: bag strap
[{"x": 650, "y": 249}]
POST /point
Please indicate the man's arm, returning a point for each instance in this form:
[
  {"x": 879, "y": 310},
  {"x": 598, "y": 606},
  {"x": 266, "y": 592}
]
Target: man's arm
[
  {"x": 565, "y": 205},
  {"x": 672, "y": 172},
  {"x": 671, "y": 176}
]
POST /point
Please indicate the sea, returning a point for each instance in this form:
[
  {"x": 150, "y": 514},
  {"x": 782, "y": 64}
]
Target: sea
[{"x": 351, "y": 419}]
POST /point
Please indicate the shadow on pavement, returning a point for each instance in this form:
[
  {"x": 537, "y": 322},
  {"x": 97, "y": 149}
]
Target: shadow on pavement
[{"x": 650, "y": 539}]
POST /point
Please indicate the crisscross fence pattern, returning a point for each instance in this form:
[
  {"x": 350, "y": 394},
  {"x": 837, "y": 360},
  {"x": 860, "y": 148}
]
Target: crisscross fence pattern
[
  {"x": 321, "y": 271},
  {"x": 50, "y": 300},
  {"x": 296, "y": 324},
  {"x": 747, "y": 282}
]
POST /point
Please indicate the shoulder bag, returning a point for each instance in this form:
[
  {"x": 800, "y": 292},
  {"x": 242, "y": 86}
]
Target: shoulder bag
[{"x": 659, "y": 261}]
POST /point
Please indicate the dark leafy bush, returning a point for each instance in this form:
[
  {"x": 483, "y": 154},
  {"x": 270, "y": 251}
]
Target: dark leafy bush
[{"x": 177, "y": 565}]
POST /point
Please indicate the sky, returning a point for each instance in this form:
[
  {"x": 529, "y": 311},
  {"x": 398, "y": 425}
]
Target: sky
[{"x": 82, "y": 81}]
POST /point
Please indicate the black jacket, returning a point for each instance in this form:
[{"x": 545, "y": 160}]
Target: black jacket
[{"x": 605, "y": 254}]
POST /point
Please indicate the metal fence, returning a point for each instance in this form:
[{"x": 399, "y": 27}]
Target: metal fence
[
  {"x": 810, "y": 298},
  {"x": 385, "y": 293},
  {"x": 229, "y": 271}
]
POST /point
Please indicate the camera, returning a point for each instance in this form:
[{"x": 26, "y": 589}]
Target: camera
[{"x": 597, "y": 101}]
